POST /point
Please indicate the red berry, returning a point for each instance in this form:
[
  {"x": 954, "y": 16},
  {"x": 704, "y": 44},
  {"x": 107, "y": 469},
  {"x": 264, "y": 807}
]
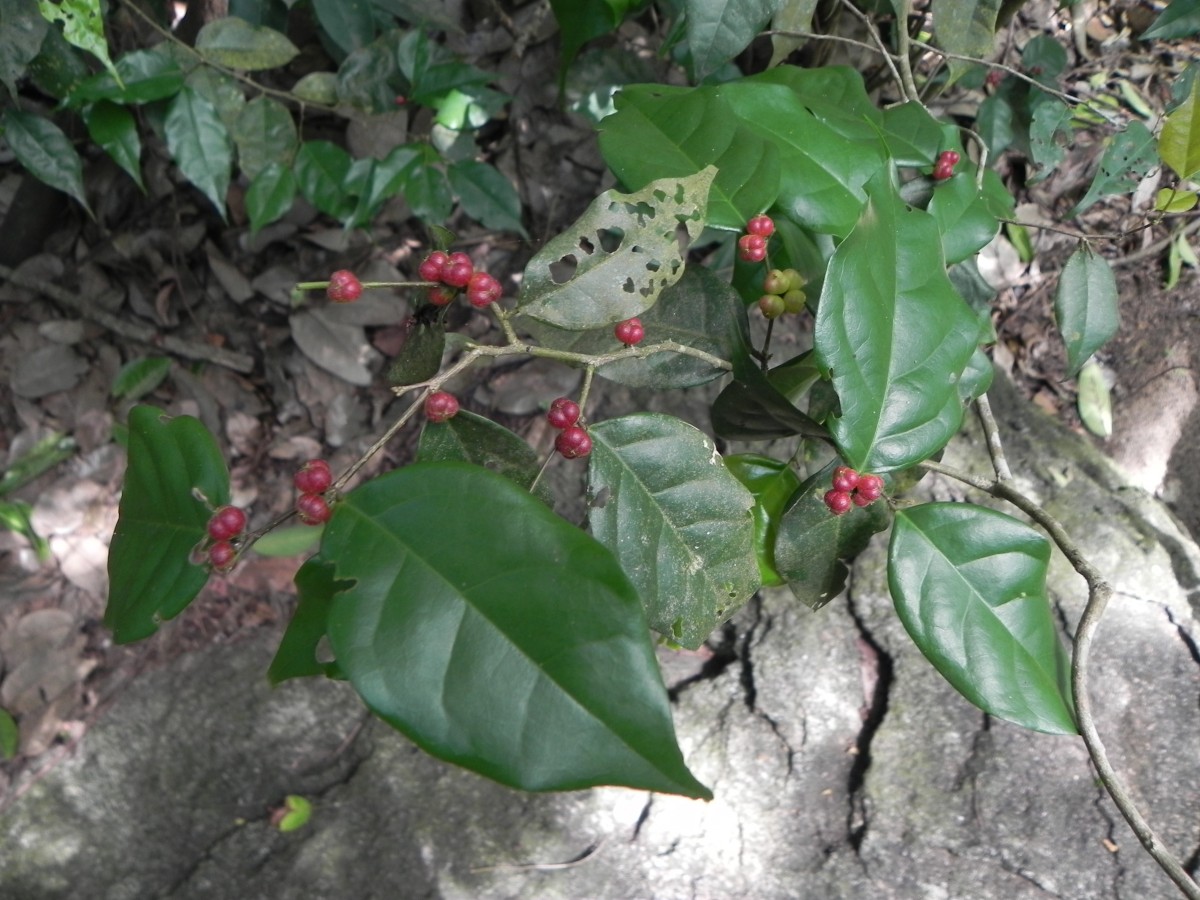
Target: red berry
[
  {"x": 771, "y": 306},
  {"x": 860, "y": 500},
  {"x": 942, "y": 171},
  {"x": 441, "y": 406},
  {"x": 752, "y": 247},
  {"x": 564, "y": 412},
  {"x": 457, "y": 274},
  {"x": 314, "y": 478},
  {"x": 573, "y": 443},
  {"x": 227, "y": 522},
  {"x": 630, "y": 332},
  {"x": 344, "y": 287},
  {"x": 440, "y": 296},
  {"x": 949, "y": 156},
  {"x": 994, "y": 77},
  {"x": 845, "y": 479},
  {"x": 221, "y": 556},
  {"x": 870, "y": 487},
  {"x": 312, "y": 509},
  {"x": 483, "y": 290},
  {"x": 838, "y": 502},
  {"x": 432, "y": 266},
  {"x": 762, "y": 225}
]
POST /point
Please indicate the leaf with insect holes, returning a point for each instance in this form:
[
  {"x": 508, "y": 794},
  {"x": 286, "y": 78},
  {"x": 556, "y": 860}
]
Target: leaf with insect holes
[
  {"x": 236, "y": 44},
  {"x": 1085, "y": 305},
  {"x": 1128, "y": 156},
  {"x": 619, "y": 256}
]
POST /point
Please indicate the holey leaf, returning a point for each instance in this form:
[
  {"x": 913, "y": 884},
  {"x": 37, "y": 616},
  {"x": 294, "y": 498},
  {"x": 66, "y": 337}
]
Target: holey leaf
[
  {"x": 894, "y": 335},
  {"x": 1085, "y": 305},
  {"x": 619, "y": 256},
  {"x": 969, "y": 584},
  {"x": 161, "y": 520},
  {"x": 678, "y": 521},
  {"x": 496, "y": 635}
]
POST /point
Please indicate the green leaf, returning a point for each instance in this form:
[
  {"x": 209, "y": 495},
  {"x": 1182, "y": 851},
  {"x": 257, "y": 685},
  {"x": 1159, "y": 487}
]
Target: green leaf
[
  {"x": 350, "y": 24},
  {"x": 967, "y": 28},
  {"x": 40, "y": 146},
  {"x": 15, "y": 515},
  {"x": 270, "y": 195},
  {"x": 487, "y": 196},
  {"x": 676, "y": 519},
  {"x": 580, "y": 21},
  {"x": 1180, "y": 19},
  {"x": 812, "y": 545},
  {"x": 236, "y": 44},
  {"x": 487, "y": 658},
  {"x": 370, "y": 77},
  {"x": 1085, "y": 305},
  {"x": 83, "y": 26},
  {"x": 385, "y": 179},
  {"x": 322, "y": 170},
  {"x": 223, "y": 91},
  {"x": 298, "y": 812},
  {"x": 894, "y": 335},
  {"x": 480, "y": 441},
  {"x": 264, "y": 133},
  {"x": 22, "y": 31},
  {"x": 426, "y": 188},
  {"x": 625, "y": 250},
  {"x": 1179, "y": 141},
  {"x": 1051, "y": 117},
  {"x": 1128, "y": 156},
  {"x": 1172, "y": 200},
  {"x": 718, "y": 30},
  {"x": 661, "y": 132},
  {"x": 913, "y": 136},
  {"x": 1095, "y": 401},
  {"x": 291, "y": 541},
  {"x": 969, "y": 585},
  {"x": 752, "y": 408},
  {"x": 161, "y": 520},
  {"x": 421, "y": 355},
  {"x": 139, "y": 377},
  {"x": 297, "y": 653},
  {"x": 10, "y": 735},
  {"x": 200, "y": 145},
  {"x": 317, "y": 87},
  {"x": 963, "y": 218},
  {"x": 700, "y": 311},
  {"x": 771, "y": 482},
  {"x": 142, "y": 77},
  {"x": 113, "y": 128},
  {"x": 43, "y": 456},
  {"x": 795, "y": 15},
  {"x": 433, "y": 71}
]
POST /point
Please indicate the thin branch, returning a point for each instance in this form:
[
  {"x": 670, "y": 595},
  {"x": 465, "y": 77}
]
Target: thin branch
[
  {"x": 992, "y": 432},
  {"x": 1155, "y": 248},
  {"x": 1079, "y": 235},
  {"x": 903, "y": 46},
  {"x": 1099, "y": 593}
]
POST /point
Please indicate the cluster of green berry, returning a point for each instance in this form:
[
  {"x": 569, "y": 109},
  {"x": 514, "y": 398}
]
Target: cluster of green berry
[
  {"x": 852, "y": 489},
  {"x": 752, "y": 246},
  {"x": 455, "y": 272},
  {"x": 783, "y": 292}
]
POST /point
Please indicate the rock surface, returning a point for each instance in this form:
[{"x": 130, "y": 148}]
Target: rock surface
[{"x": 843, "y": 765}]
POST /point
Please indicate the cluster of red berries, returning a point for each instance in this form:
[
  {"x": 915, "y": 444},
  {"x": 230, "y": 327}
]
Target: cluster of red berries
[
  {"x": 344, "y": 287},
  {"x": 455, "y": 272},
  {"x": 944, "y": 167},
  {"x": 312, "y": 481},
  {"x": 226, "y": 523},
  {"x": 573, "y": 441},
  {"x": 441, "y": 407},
  {"x": 852, "y": 489},
  {"x": 783, "y": 292},
  {"x": 630, "y": 332},
  {"x": 752, "y": 246}
]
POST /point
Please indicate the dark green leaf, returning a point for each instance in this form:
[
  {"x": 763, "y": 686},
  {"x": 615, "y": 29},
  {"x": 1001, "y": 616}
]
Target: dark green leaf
[
  {"x": 22, "y": 30},
  {"x": 718, "y": 30},
  {"x": 432, "y": 70},
  {"x": 894, "y": 335},
  {"x": 236, "y": 44},
  {"x": 1051, "y": 118},
  {"x": 676, "y": 519},
  {"x": 297, "y": 653},
  {"x": 580, "y": 21},
  {"x": 264, "y": 133},
  {"x": 1085, "y": 305},
  {"x": 1128, "y": 156},
  {"x": 962, "y": 215},
  {"x": 370, "y": 77},
  {"x": 161, "y": 521},
  {"x": 113, "y": 128},
  {"x": 771, "y": 482},
  {"x": 1043, "y": 58},
  {"x": 139, "y": 377},
  {"x": 58, "y": 68},
  {"x": 350, "y": 24},
  {"x": 82, "y": 26},
  {"x": 200, "y": 145},
  {"x": 270, "y": 195},
  {"x": 969, "y": 585},
  {"x": 995, "y": 122},
  {"x": 835, "y": 95},
  {"x": 1180, "y": 19},
  {"x": 40, "y": 146},
  {"x": 384, "y": 179},
  {"x": 489, "y": 659},
  {"x": 146, "y": 75},
  {"x": 625, "y": 251},
  {"x": 751, "y": 408},
  {"x": 967, "y": 28},
  {"x": 976, "y": 377},
  {"x": 474, "y": 439},
  {"x": 9, "y": 735},
  {"x": 487, "y": 196},
  {"x": 913, "y": 136},
  {"x": 43, "y": 456},
  {"x": 426, "y": 188},
  {"x": 322, "y": 170}
]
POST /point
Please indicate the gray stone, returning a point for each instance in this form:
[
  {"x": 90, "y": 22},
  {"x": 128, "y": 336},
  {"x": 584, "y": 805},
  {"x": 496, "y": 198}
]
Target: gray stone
[{"x": 843, "y": 765}]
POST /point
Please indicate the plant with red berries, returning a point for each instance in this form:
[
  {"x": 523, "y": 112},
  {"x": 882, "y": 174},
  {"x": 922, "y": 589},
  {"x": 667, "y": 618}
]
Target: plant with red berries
[
  {"x": 312, "y": 509},
  {"x": 630, "y": 332},
  {"x": 564, "y": 412},
  {"x": 573, "y": 442},
  {"x": 440, "y": 407},
  {"x": 344, "y": 287}
]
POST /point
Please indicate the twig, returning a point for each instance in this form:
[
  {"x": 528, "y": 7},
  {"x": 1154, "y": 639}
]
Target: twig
[
  {"x": 1099, "y": 593},
  {"x": 992, "y": 433},
  {"x": 1155, "y": 248},
  {"x": 1079, "y": 235},
  {"x": 903, "y": 45},
  {"x": 144, "y": 334}
]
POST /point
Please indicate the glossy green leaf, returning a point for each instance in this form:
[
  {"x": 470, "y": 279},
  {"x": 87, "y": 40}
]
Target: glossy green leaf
[
  {"x": 813, "y": 546},
  {"x": 751, "y": 408},
  {"x": 1094, "y": 401},
  {"x": 676, "y": 519},
  {"x": 700, "y": 311},
  {"x": 580, "y": 21},
  {"x": 82, "y": 26},
  {"x": 145, "y": 76},
  {"x": 321, "y": 171},
  {"x": 381, "y": 180},
  {"x": 1179, "y": 141},
  {"x": 426, "y": 188},
  {"x": 264, "y": 133},
  {"x": 200, "y": 145},
  {"x": 1180, "y": 19},
  {"x": 771, "y": 482},
  {"x": 489, "y": 659},
  {"x": 835, "y": 95},
  {"x": 718, "y": 30},
  {"x": 1172, "y": 200},
  {"x": 22, "y": 30},
  {"x": 236, "y": 44},
  {"x": 432, "y": 70},
  {"x": 659, "y": 132},
  {"x": 139, "y": 377},
  {"x": 1128, "y": 156},
  {"x": 967, "y": 28},
  {"x": 894, "y": 336},
  {"x": 969, "y": 585},
  {"x": 1085, "y": 305},
  {"x": 486, "y": 196},
  {"x": 350, "y": 24},
  {"x": 113, "y": 128},
  {"x": 161, "y": 520},
  {"x": 962, "y": 215},
  {"x": 420, "y": 356},
  {"x": 913, "y": 136},
  {"x": 480, "y": 441},
  {"x": 270, "y": 195},
  {"x": 41, "y": 147},
  {"x": 976, "y": 377},
  {"x": 624, "y": 251},
  {"x": 297, "y": 653}
]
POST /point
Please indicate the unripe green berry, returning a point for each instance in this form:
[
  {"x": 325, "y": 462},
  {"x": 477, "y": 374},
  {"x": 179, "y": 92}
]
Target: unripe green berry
[
  {"x": 777, "y": 282},
  {"x": 793, "y": 301},
  {"x": 771, "y": 305}
]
